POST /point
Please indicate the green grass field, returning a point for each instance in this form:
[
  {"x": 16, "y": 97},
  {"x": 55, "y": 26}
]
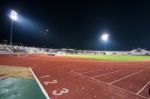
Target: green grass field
[{"x": 111, "y": 57}]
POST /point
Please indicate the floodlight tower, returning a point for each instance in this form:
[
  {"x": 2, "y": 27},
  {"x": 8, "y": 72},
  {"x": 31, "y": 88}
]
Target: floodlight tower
[
  {"x": 104, "y": 37},
  {"x": 13, "y": 15}
]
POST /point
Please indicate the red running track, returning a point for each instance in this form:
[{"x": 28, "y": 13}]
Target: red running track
[{"x": 73, "y": 78}]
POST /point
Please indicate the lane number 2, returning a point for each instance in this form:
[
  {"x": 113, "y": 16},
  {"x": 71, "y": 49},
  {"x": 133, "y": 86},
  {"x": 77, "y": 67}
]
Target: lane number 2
[{"x": 50, "y": 82}]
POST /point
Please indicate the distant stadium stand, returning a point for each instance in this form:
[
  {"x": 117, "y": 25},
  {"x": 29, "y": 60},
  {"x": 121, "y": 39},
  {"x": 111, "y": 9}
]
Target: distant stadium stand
[{"x": 23, "y": 50}]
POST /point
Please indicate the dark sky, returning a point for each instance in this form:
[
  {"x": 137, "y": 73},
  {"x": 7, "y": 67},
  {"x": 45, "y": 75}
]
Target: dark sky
[{"x": 78, "y": 24}]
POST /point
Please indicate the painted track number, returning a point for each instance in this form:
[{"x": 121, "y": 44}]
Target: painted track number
[
  {"x": 50, "y": 82},
  {"x": 60, "y": 92}
]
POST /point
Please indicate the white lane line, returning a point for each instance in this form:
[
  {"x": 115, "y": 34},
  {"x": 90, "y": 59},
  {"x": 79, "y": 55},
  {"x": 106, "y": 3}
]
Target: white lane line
[
  {"x": 46, "y": 76},
  {"x": 143, "y": 88},
  {"x": 91, "y": 71},
  {"x": 125, "y": 77},
  {"x": 42, "y": 88},
  {"x": 81, "y": 75},
  {"x": 106, "y": 74},
  {"x": 32, "y": 58},
  {"x": 129, "y": 91},
  {"x": 36, "y": 59},
  {"x": 101, "y": 82}
]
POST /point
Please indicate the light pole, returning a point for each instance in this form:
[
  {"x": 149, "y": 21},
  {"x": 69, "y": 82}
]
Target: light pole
[
  {"x": 105, "y": 37},
  {"x": 13, "y": 16}
]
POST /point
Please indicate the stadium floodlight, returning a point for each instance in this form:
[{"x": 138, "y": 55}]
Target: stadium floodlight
[
  {"x": 105, "y": 37},
  {"x": 14, "y": 17}
]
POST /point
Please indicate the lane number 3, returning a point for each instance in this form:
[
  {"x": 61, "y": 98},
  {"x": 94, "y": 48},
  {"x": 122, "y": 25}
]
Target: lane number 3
[{"x": 61, "y": 92}]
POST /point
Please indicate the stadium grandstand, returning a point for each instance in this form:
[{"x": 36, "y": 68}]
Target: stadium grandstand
[{"x": 24, "y": 50}]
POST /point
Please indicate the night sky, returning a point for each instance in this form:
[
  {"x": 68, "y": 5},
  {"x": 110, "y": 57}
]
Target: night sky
[{"x": 78, "y": 24}]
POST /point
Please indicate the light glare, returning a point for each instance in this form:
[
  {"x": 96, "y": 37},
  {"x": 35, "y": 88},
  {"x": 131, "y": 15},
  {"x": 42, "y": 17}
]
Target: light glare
[
  {"x": 13, "y": 15},
  {"x": 104, "y": 37}
]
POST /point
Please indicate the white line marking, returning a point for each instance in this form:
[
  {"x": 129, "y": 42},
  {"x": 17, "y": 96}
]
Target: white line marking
[
  {"x": 106, "y": 74},
  {"x": 125, "y": 77},
  {"x": 143, "y": 88},
  {"x": 37, "y": 59},
  {"x": 98, "y": 81},
  {"x": 46, "y": 76},
  {"x": 42, "y": 88},
  {"x": 90, "y": 71},
  {"x": 129, "y": 91},
  {"x": 87, "y": 76},
  {"x": 32, "y": 58}
]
